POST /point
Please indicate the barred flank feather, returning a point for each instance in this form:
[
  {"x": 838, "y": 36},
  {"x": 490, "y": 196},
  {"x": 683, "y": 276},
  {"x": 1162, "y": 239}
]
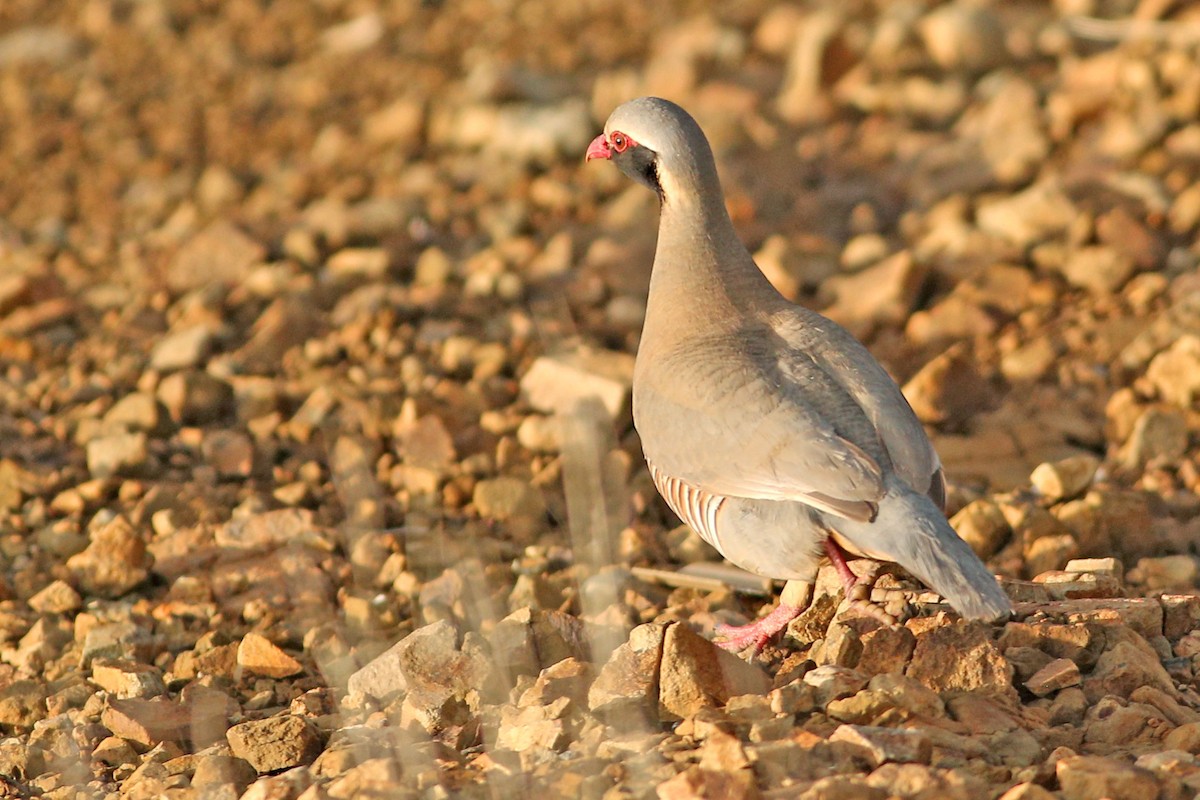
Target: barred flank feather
[{"x": 697, "y": 508}]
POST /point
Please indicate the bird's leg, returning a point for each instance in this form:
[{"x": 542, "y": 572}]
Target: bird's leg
[
  {"x": 858, "y": 590},
  {"x": 794, "y": 598}
]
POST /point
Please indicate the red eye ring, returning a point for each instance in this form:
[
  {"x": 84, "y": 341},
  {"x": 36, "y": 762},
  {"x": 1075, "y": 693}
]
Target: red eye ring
[{"x": 620, "y": 142}]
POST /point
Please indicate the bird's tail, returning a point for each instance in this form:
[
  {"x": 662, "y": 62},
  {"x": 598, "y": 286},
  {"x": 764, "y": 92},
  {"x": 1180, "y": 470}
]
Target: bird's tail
[{"x": 914, "y": 533}]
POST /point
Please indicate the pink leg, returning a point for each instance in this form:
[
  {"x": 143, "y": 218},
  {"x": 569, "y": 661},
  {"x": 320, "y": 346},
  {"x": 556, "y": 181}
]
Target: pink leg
[
  {"x": 858, "y": 591},
  {"x": 738, "y": 637},
  {"x": 794, "y": 598}
]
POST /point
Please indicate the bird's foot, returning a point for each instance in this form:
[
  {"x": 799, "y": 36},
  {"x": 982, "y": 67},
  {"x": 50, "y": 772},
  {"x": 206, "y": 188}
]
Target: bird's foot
[
  {"x": 858, "y": 590},
  {"x": 858, "y": 598},
  {"x": 736, "y": 638}
]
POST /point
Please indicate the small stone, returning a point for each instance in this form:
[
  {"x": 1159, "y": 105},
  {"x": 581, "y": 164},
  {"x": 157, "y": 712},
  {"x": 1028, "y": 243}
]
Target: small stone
[
  {"x": 118, "y": 454},
  {"x": 58, "y": 597},
  {"x": 258, "y": 655},
  {"x": 977, "y": 664},
  {"x": 117, "y": 640},
  {"x": 885, "y": 650},
  {"x": 215, "y": 770},
  {"x": 963, "y": 37},
  {"x": 1110, "y": 567},
  {"x": 982, "y": 525},
  {"x": 1160, "y": 434},
  {"x": 948, "y": 390},
  {"x": 1091, "y": 777},
  {"x": 1029, "y": 216},
  {"x": 540, "y": 434},
  {"x": 628, "y": 682},
  {"x": 557, "y": 383},
  {"x": 1066, "y": 479},
  {"x": 1027, "y": 791},
  {"x": 426, "y": 443},
  {"x": 1100, "y": 270},
  {"x": 1166, "y": 572},
  {"x": 114, "y": 562},
  {"x": 147, "y": 722},
  {"x": 285, "y": 324},
  {"x": 1049, "y": 553},
  {"x": 22, "y": 703},
  {"x": 231, "y": 453},
  {"x": 1186, "y": 738},
  {"x": 886, "y": 744},
  {"x": 192, "y": 397},
  {"x": 534, "y": 728},
  {"x": 696, "y": 782},
  {"x": 275, "y": 743},
  {"x": 270, "y": 530},
  {"x": 136, "y": 411},
  {"x": 505, "y": 498},
  {"x": 115, "y": 751},
  {"x": 219, "y": 253},
  {"x": 126, "y": 679},
  {"x": 381, "y": 677},
  {"x": 1125, "y": 667},
  {"x": 1175, "y": 372},
  {"x": 831, "y": 683},
  {"x": 1058, "y": 674},
  {"x": 182, "y": 349},
  {"x": 364, "y": 262},
  {"x": 884, "y": 293}
]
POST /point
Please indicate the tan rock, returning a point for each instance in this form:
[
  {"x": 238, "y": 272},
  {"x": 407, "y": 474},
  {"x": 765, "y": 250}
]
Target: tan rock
[
  {"x": 1090, "y": 777},
  {"x": 982, "y": 525},
  {"x": 886, "y": 744},
  {"x": 258, "y": 655},
  {"x": 885, "y": 650},
  {"x": 275, "y": 743},
  {"x": 147, "y": 722},
  {"x": 1125, "y": 667},
  {"x": 1027, "y": 791},
  {"x": 114, "y": 562},
  {"x": 960, "y": 656},
  {"x": 696, "y": 782},
  {"x": 556, "y": 383},
  {"x": 1058, "y": 674},
  {"x": 949, "y": 389},
  {"x": 125, "y": 679},
  {"x": 628, "y": 682},
  {"x": 695, "y": 673},
  {"x": 1065, "y": 479}
]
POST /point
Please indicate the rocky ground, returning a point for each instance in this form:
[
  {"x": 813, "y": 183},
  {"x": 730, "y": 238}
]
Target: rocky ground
[{"x": 317, "y": 476}]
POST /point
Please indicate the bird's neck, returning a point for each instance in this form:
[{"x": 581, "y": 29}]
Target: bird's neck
[{"x": 703, "y": 278}]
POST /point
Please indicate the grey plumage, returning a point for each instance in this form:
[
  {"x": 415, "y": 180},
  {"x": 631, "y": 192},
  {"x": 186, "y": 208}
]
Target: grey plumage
[{"x": 766, "y": 426}]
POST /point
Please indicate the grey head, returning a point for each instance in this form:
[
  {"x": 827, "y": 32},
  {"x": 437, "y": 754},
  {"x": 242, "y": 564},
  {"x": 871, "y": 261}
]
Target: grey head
[{"x": 659, "y": 145}]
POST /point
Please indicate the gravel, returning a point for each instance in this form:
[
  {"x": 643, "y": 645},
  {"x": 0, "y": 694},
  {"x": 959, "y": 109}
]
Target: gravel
[{"x": 317, "y": 475}]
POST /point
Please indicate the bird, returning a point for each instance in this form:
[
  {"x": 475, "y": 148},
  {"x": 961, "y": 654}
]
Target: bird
[{"x": 766, "y": 427}]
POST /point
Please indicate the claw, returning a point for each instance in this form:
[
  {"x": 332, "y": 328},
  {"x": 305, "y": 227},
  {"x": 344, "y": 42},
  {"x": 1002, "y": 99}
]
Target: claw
[{"x": 858, "y": 590}]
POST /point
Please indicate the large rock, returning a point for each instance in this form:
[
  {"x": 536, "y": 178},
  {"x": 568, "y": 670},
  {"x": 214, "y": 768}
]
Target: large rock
[
  {"x": 960, "y": 657},
  {"x": 695, "y": 673}
]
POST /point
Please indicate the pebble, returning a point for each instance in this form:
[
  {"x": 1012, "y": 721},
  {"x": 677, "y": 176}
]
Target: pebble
[
  {"x": 1066, "y": 479},
  {"x": 220, "y": 252},
  {"x": 275, "y": 743},
  {"x": 557, "y": 383},
  {"x": 982, "y": 525},
  {"x": 118, "y": 454},
  {"x": 182, "y": 349}
]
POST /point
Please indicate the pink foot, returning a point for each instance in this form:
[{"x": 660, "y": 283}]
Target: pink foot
[
  {"x": 858, "y": 591},
  {"x": 736, "y": 638}
]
